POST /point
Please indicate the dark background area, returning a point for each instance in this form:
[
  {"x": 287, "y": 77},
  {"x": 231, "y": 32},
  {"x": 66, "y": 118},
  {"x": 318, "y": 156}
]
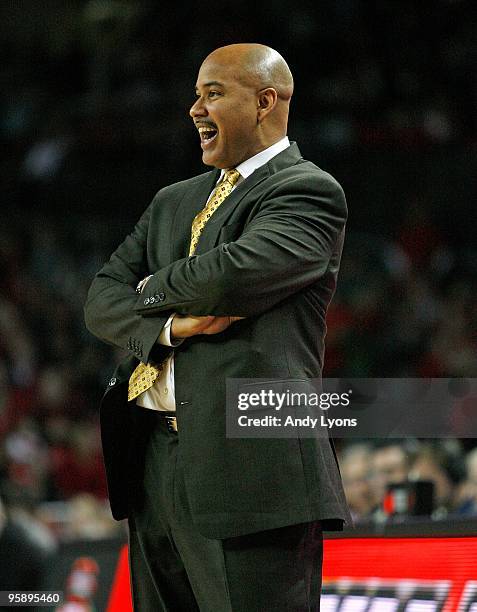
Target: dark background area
[{"x": 94, "y": 100}]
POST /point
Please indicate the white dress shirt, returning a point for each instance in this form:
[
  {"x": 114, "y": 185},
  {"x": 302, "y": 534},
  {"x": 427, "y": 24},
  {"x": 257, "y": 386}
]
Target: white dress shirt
[{"x": 161, "y": 396}]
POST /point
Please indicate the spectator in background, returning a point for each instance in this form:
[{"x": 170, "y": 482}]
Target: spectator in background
[
  {"x": 77, "y": 463},
  {"x": 355, "y": 464},
  {"x": 390, "y": 462},
  {"x": 432, "y": 463},
  {"x": 23, "y": 558},
  {"x": 466, "y": 494},
  {"x": 24, "y": 467},
  {"x": 89, "y": 519}
]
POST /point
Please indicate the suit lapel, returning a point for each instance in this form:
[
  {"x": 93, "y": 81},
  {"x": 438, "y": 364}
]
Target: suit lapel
[
  {"x": 221, "y": 215},
  {"x": 285, "y": 159},
  {"x": 192, "y": 202}
]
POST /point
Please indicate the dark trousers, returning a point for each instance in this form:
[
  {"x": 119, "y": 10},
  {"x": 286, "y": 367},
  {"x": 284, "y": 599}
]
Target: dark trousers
[{"x": 176, "y": 569}]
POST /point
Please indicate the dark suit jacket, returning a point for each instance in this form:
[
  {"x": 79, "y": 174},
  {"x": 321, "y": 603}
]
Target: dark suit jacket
[{"x": 270, "y": 253}]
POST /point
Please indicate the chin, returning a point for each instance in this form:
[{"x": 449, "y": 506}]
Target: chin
[
  {"x": 210, "y": 160},
  {"x": 207, "y": 158},
  {"x": 217, "y": 157}
]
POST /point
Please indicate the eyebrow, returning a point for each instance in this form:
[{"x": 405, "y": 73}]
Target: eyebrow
[{"x": 210, "y": 83}]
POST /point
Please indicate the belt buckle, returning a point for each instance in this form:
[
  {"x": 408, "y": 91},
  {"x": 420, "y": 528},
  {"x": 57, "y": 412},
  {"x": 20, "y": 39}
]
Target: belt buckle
[{"x": 171, "y": 423}]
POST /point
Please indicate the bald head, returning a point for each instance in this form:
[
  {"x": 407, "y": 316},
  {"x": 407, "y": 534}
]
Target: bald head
[{"x": 257, "y": 64}]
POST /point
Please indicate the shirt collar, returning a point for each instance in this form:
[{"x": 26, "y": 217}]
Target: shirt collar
[{"x": 247, "y": 167}]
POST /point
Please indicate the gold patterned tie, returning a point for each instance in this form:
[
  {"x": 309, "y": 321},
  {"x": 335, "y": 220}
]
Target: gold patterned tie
[
  {"x": 145, "y": 375},
  {"x": 219, "y": 194}
]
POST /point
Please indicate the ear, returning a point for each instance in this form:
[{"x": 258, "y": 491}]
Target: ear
[{"x": 266, "y": 101}]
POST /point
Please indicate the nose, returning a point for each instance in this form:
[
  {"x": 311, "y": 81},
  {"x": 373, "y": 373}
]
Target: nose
[{"x": 197, "y": 109}]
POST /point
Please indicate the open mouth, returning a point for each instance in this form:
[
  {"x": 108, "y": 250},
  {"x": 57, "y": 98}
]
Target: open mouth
[{"x": 207, "y": 134}]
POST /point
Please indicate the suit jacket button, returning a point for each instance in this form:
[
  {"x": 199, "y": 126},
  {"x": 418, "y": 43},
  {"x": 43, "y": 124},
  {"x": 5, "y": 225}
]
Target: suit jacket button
[{"x": 146, "y": 301}]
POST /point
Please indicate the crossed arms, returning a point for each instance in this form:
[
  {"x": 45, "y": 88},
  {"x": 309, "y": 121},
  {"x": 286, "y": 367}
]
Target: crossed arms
[{"x": 285, "y": 247}]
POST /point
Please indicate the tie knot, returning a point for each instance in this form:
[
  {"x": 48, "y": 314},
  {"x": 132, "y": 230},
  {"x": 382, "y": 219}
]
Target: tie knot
[{"x": 232, "y": 176}]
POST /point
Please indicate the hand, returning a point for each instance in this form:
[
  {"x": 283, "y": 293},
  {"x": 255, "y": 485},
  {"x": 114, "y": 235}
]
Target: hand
[{"x": 185, "y": 326}]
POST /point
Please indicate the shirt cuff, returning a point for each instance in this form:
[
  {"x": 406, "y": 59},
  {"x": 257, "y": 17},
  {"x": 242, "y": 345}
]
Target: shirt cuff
[
  {"x": 143, "y": 283},
  {"x": 165, "y": 335}
]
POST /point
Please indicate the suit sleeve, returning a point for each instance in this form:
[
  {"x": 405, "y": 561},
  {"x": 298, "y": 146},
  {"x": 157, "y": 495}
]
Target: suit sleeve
[
  {"x": 109, "y": 308},
  {"x": 285, "y": 247}
]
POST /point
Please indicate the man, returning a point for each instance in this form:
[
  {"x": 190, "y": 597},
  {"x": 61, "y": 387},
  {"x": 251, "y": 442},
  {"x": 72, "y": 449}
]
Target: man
[
  {"x": 390, "y": 464},
  {"x": 355, "y": 463},
  {"x": 236, "y": 268}
]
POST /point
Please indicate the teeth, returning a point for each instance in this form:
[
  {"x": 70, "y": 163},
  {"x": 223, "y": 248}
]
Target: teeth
[
  {"x": 207, "y": 133},
  {"x": 206, "y": 130}
]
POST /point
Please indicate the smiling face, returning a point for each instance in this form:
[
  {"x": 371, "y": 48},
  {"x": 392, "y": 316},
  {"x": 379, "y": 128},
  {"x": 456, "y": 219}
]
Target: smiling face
[{"x": 226, "y": 114}]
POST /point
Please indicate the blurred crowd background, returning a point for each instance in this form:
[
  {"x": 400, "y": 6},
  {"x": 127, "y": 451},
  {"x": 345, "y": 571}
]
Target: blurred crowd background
[{"x": 94, "y": 100}]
